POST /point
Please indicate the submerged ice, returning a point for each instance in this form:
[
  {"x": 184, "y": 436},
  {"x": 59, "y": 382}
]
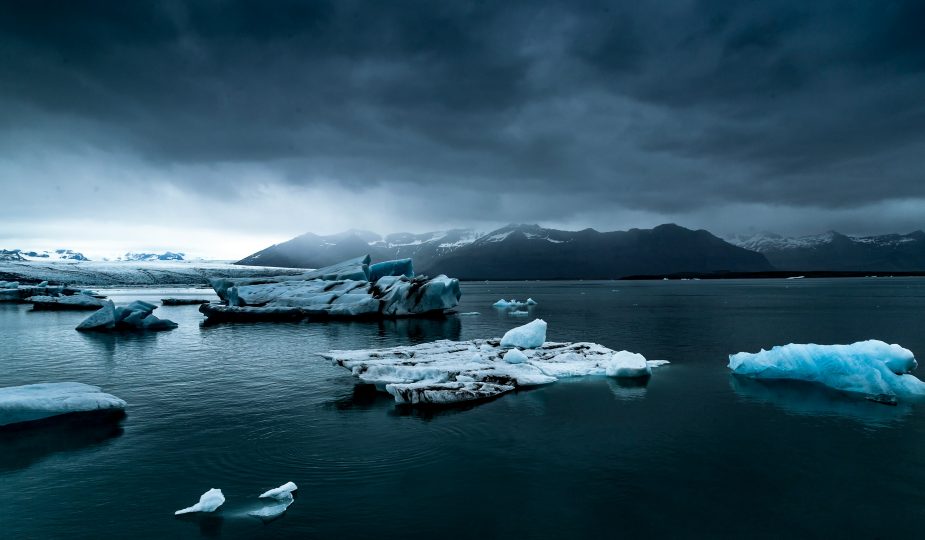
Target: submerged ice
[
  {"x": 445, "y": 372},
  {"x": 353, "y": 288},
  {"x": 280, "y": 500},
  {"x": 38, "y": 401},
  {"x": 872, "y": 368}
]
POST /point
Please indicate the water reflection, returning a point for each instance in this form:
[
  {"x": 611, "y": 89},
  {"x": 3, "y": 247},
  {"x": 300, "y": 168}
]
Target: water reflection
[
  {"x": 22, "y": 445},
  {"x": 210, "y": 525},
  {"x": 804, "y": 398},
  {"x": 421, "y": 330},
  {"x": 628, "y": 389}
]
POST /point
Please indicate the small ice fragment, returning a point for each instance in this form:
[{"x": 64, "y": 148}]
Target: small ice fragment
[
  {"x": 280, "y": 492},
  {"x": 209, "y": 502}
]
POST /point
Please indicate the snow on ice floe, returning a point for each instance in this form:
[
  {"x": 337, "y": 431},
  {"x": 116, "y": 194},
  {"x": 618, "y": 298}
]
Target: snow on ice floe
[
  {"x": 208, "y": 502},
  {"x": 38, "y": 401},
  {"x": 352, "y": 288},
  {"x": 872, "y": 368},
  {"x": 447, "y": 372},
  {"x": 137, "y": 315}
]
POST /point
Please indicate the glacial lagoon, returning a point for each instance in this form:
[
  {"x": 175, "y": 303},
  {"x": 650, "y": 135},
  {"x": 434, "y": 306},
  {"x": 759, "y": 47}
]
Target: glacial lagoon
[{"x": 694, "y": 451}]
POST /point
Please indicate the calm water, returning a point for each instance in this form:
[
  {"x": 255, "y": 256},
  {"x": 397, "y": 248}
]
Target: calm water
[{"x": 247, "y": 407}]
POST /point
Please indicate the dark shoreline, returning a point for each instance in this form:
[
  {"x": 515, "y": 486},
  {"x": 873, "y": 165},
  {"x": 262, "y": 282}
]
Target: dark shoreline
[{"x": 775, "y": 274}]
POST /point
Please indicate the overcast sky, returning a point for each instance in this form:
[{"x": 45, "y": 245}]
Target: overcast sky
[{"x": 221, "y": 127}]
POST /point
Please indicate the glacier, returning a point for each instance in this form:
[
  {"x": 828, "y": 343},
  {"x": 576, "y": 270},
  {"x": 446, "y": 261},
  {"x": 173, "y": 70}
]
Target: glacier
[
  {"x": 872, "y": 368},
  {"x": 352, "y": 288},
  {"x": 208, "y": 502},
  {"x": 137, "y": 315},
  {"x": 44, "y": 400},
  {"x": 447, "y": 372}
]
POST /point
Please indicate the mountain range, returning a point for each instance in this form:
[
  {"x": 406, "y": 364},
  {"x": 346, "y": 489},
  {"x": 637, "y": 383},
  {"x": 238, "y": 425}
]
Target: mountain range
[
  {"x": 834, "y": 251},
  {"x": 526, "y": 252}
]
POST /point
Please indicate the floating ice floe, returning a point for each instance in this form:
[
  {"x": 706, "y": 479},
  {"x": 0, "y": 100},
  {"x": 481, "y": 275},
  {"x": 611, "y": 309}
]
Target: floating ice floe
[
  {"x": 875, "y": 369},
  {"x": 208, "y": 502},
  {"x": 281, "y": 497},
  {"x": 184, "y": 301},
  {"x": 13, "y": 291},
  {"x": 446, "y": 372},
  {"x": 38, "y": 401},
  {"x": 513, "y": 304},
  {"x": 57, "y": 303},
  {"x": 137, "y": 315},
  {"x": 349, "y": 289}
]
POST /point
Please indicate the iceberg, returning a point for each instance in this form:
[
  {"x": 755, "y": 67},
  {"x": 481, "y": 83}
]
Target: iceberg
[
  {"x": 13, "y": 291},
  {"x": 38, "y": 401},
  {"x": 528, "y": 336},
  {"x": 349, "y": 289},
  {"x": 208, "y": 502},
  {"x": 877, "y": 370},
  {"x": 137, "y": 315},
  {"x": 448, "y": 372}
]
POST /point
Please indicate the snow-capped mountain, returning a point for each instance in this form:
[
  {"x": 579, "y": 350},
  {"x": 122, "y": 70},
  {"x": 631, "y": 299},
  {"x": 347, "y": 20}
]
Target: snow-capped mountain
[
  {"x": 138, "y": 257},
  {"x": 525, "y": 252},
  {"x": 839, "y": 252},
  {"x": 55, "y": 255}
]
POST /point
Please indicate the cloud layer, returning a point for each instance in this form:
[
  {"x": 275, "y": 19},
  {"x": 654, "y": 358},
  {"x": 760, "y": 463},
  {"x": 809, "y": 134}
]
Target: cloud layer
[{"x": 266, "y": 120}]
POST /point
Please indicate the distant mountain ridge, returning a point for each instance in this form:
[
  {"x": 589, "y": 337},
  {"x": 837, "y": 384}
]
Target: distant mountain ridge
[
  {"x": 56, "y": 255},
  {"x": 525, "y": 252},
  {"x": 839, "y": 252}
]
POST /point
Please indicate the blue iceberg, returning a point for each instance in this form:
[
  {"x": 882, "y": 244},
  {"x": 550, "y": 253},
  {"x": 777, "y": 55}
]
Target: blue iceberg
[{"x": 871, "y": 368}]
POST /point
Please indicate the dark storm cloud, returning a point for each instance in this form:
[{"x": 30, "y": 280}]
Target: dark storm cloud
[{"x": 664, "y": 107}]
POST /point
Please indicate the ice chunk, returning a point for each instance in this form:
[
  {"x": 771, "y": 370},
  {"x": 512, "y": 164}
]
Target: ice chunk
[
  {"x": 135, "y": 316},
  {"x": 280, "y": 492},
  {"x": 530, "y": 302},
  {"x": 871, "y": 368},
  {"x": 208, "y": 502},
  {"x": 445, "y": 372},
  {"x": 515, "y": 356},
  {"x": 628, "y": 365},
  {"x": 44, "y": 400},
  {"x": 400, "y": 267},
  {"x": 528, "y": 336},
  {"x": 183, "y": 301}
]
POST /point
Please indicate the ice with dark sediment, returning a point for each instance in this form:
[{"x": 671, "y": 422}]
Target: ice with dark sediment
[
  {"x": 137, "y": 315},
  {"x": 350, "y": 289},
  {"x": 446, "y": 372}
]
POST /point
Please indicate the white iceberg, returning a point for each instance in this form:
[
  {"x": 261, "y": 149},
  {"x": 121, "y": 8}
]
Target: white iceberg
[
  {"x": 137, "y": 315},
  {"x": 528, "y": 336},
  {"x": 208, "y": 502},
  {"x": 349, "y": 289},
  {"x": 446, "y": 372},
  {"x": 872, "y": 368},
  {"x": 38, "y": 401}
]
